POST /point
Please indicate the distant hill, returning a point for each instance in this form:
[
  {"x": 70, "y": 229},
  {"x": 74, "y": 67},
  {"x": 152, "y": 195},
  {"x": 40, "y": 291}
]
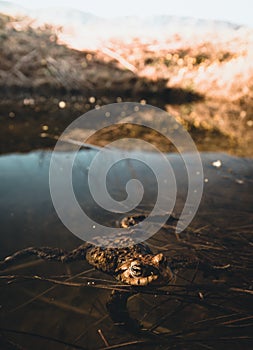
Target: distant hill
[
  {"x": 61, "y": 16},
  {"x": 11, "y": 8},
  {"x": 52, "y": 14}
]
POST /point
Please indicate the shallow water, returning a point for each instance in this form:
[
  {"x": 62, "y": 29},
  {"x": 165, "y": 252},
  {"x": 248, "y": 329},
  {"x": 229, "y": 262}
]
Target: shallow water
[{"x": 75, "y": 314}]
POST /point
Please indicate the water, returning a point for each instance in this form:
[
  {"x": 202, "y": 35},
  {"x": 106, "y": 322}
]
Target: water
[{"x": 73, "y": 314}]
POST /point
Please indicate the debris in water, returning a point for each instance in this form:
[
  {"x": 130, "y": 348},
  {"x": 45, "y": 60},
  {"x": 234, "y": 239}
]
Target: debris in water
[
  {"x": 240, "y": 182},
  {"x": 62, "y": 104},
  {"x": 217, "y": 163},
  {"x": 201, "y": 295},
  {"x": 11, "y": 114},
  {"x": 28, "y": 102},
  {"x": 92, "y": 99}
]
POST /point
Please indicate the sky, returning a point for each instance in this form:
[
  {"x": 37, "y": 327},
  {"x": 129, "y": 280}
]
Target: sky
[{"x": 237, "y": 11}]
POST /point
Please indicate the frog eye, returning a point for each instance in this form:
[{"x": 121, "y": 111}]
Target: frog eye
[{"x": 135, "y": 269}]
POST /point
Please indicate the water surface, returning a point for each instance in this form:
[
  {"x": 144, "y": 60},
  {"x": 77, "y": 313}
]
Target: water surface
[{"x": 75, "y": 314}]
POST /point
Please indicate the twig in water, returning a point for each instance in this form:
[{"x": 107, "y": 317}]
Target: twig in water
[{"x": 103, "y": 337}]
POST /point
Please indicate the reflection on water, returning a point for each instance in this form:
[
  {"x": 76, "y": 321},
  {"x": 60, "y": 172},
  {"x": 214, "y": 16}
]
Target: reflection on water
[{"x": 75, "y": 314}]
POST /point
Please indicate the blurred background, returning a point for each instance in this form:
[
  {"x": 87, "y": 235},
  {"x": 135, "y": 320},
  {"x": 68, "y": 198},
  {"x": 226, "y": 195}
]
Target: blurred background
[{"x": 59, "y": 60}]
